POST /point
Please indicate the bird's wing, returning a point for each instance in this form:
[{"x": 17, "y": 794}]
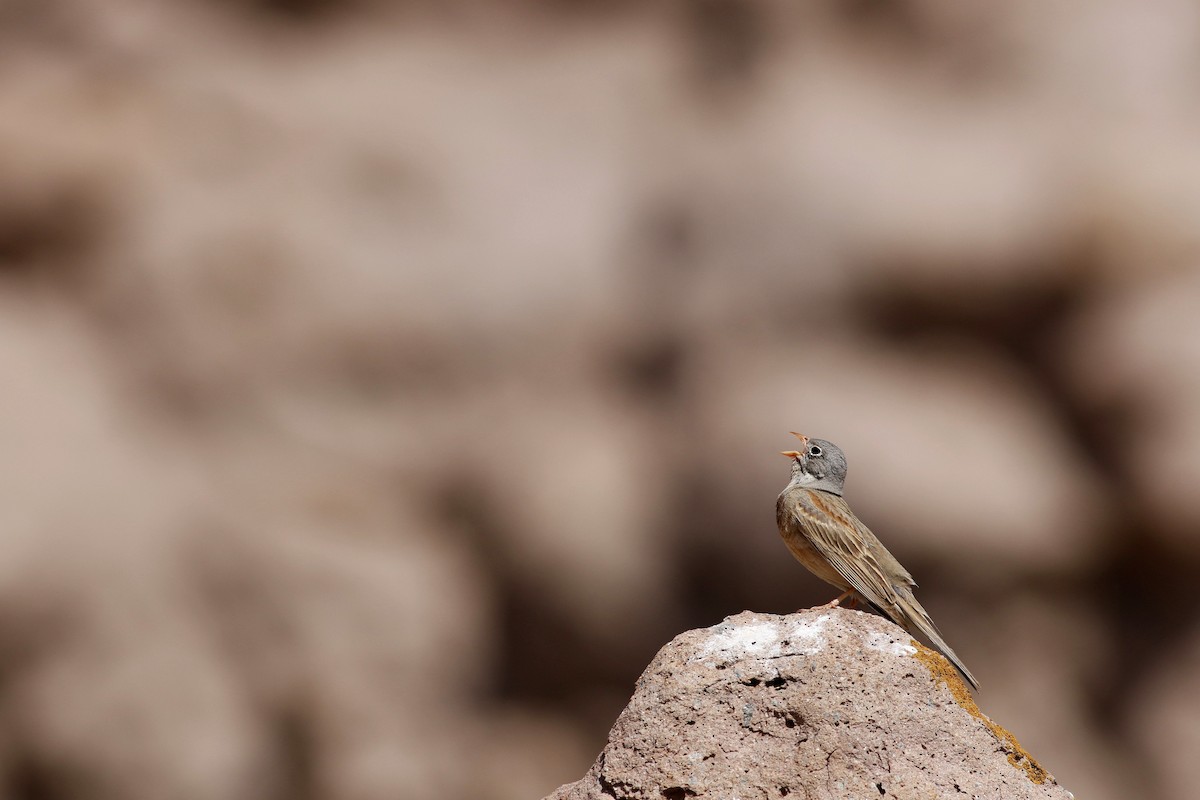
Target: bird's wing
[
  {"x": 849, "y": 546},
  {"x": 867, "y": 566}
]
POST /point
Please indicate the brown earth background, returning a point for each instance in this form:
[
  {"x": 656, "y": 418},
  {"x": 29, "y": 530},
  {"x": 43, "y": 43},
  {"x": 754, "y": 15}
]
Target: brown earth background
[{"x": 383, "y": 383}]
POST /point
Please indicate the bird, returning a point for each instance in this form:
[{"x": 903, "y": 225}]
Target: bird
[{"x": 824, "y": 535}]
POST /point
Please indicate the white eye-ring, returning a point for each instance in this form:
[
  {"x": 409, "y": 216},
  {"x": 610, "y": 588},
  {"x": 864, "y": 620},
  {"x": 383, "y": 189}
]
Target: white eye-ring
[{"x": 814, "y": 451}]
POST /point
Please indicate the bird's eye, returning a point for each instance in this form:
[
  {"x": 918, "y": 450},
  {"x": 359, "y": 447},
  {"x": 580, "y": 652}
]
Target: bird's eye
[{"x": 814, "y": 451}]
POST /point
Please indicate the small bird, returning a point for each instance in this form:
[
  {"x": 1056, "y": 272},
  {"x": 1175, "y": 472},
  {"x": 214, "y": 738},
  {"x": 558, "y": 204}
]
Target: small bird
[{"x": 824, "y": 535}]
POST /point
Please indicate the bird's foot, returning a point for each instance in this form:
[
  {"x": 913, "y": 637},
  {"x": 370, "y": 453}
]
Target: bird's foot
[{"x": 848, "y": 598}]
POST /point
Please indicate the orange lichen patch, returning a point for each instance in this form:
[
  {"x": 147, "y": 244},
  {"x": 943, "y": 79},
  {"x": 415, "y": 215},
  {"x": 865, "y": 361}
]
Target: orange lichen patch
[{"x": 944, "y": 672}]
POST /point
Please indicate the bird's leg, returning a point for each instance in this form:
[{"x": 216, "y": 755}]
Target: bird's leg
[{"x": 847, "y": 597}]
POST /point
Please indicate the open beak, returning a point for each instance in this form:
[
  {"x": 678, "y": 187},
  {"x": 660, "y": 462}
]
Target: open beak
[{"x": 796, "y": 453}]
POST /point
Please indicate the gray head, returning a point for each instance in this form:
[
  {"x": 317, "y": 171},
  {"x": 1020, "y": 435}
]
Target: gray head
[{"x": 818, "y": 464}]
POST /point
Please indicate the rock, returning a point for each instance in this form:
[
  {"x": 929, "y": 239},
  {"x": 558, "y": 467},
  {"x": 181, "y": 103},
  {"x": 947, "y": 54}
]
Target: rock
[{"x": 818, "y": 704}]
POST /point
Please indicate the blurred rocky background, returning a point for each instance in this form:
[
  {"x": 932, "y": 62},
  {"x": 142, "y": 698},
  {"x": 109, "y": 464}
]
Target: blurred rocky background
[{"x": 384, "y": 382}]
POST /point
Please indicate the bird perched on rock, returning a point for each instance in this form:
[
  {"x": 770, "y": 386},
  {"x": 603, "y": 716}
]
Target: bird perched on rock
[{"x": 824, "y": 535}]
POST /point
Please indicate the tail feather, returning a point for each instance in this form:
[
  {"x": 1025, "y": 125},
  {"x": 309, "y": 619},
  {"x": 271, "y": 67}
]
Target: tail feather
[{"x": 913, "y": 616}]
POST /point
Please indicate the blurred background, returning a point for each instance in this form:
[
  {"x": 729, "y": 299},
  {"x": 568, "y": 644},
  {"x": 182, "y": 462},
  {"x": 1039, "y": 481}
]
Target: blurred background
[{"x": 384, "y": 383}]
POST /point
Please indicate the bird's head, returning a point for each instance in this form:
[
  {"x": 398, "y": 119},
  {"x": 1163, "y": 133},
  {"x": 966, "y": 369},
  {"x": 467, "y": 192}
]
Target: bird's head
[{"x": 818, "y": 464}]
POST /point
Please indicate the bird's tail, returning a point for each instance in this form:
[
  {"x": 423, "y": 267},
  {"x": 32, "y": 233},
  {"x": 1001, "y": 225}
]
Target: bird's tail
[{"x": 916, "y": 621}]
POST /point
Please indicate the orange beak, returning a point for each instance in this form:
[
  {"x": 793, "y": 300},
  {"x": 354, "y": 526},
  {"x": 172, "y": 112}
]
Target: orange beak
[{"x": 795, "y": 453}]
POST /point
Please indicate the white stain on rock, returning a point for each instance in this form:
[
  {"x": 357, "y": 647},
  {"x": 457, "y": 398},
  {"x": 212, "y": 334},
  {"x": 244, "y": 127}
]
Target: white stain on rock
[
  {"x": 767, "y": 638},
  {"x": 889, "y": 644}
]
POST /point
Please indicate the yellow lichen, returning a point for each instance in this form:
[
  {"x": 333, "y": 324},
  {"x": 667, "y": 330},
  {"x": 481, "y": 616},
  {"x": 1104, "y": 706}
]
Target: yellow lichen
[{"x": 943, "y": 672}]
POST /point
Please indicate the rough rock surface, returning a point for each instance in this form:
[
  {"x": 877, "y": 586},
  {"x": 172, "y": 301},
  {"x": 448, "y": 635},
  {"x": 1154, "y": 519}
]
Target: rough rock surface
[{"x": 818, "y": 704}]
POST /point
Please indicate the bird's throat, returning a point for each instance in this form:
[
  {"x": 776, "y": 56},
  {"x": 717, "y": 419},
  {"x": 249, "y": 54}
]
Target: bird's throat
[
  {"x": 803, "y": 479},
  {"x": 806, "y": 481}
]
